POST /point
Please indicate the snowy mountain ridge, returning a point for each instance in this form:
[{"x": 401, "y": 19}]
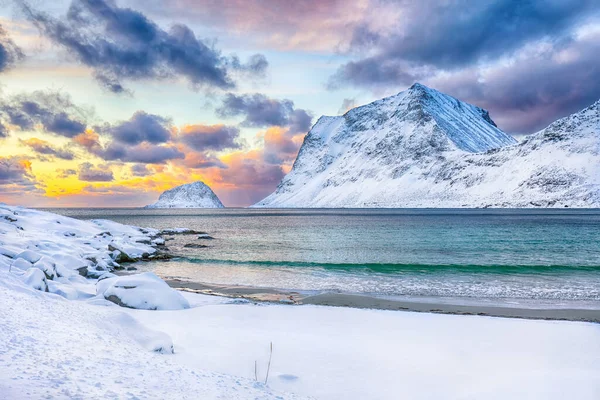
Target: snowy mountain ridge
[
  {"x": 422, "y": 148},
  {"x": 190, "y": 195}
]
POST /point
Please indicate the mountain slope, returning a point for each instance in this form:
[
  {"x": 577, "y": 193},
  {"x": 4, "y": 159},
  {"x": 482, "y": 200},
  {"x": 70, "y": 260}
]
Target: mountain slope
[
  {"x": 422, "y": 148},
  {"x": 191, "y": 195}
]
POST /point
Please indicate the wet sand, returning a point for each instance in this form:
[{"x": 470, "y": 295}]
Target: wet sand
[{"x": 371, "y": 302}]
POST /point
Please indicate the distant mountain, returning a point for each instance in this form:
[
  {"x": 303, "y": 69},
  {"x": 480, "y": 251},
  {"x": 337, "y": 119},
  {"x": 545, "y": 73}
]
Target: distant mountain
[
  {"x": 191, "y": 195},
  {"x": 422, "y": 148}
]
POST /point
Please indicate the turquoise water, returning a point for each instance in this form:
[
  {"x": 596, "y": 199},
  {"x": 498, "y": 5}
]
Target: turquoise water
[{"x": 544, "y": 256}]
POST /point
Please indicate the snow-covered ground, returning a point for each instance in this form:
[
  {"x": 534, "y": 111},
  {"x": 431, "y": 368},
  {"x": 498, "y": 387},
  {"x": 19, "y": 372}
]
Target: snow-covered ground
[{"x": 72, "y": 342}]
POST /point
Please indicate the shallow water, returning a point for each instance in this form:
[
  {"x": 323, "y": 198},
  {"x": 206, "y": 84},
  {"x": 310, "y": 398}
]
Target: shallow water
[{"x": 550, "y": 256}]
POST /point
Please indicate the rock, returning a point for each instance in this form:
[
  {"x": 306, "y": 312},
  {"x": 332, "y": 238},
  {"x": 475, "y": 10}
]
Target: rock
[
  {"x": 131, "y": 269},
  {"x": 181, "y": 231},
  {"x": 9, "y": 251},
  {"x": 30, "y": 256},
  {"x": 205, "y": 237},
  {"x": 158, "y": 242},
  {"x": 142, "y": 291},
  {"x": 21, "y": 264},
  {"x": 195, "y": 246},
  {"x": 47, "y": 266},
  {"x": 119, "y": 255},
  {"x": 93, "y": 273},
  {"x": 36, "y": 279}
]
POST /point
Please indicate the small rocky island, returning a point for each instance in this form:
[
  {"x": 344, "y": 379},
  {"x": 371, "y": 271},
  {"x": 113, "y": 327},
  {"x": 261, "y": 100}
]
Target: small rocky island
[{"x": 191, "y": 195}]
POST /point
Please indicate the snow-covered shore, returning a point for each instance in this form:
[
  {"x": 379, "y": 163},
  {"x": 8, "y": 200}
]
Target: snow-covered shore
[{"x": 64, "y": 336}]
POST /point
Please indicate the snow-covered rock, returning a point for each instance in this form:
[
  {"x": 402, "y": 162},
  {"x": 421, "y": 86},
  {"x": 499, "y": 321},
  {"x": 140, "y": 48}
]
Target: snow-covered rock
[
  {"x": 143, "y": 291},
  {"x": 36, "y": 279},
  {"x": 191, "y": 195},
  {"x": 422, "y": 148}
]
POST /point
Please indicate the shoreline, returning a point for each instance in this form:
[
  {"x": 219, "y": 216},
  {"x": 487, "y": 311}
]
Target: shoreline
[{"x": 270, "y": 295}]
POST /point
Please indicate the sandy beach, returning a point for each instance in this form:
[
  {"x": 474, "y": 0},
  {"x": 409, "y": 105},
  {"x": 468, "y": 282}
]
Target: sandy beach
[{"x": 372, "y": 302}]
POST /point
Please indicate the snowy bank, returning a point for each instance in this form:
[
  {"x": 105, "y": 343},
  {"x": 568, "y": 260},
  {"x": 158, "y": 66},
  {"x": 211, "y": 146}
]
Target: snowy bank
[
  {"x": 63, "y": 334},
  {"x": 52, "y": 253}
]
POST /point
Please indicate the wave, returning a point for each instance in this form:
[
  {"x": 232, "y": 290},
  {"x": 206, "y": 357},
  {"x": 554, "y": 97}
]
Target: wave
[{"x": 403, "y": 267}]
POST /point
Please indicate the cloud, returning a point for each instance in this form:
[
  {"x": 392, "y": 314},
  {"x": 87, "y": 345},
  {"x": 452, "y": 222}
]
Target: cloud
[
  {"x": 543, "y": 84},
  {"x": 43, "y": 147},
  {"x": 209, "y": 137},
  {"x": 53, "y": 111},
  {"x": 247, "y": 178},
  {"x": 447, "y": 35},
  {"x": 10, "y": 53},
  {"x": 142, "y": 153},
  {"x": 278, "y": 146},
  {"x": 261, "y": 111},
  {"x": 16, "y": 177},
  {"x": 123, "y": 44},
  {"x": 65, "y": 173},
  {"x": 347, "y": 105},
  {"x": 89, "y": 173},
  {"x": 202, "y": 161},
  {"x": 140, "y": 170},
  {"x": 142, "y": 127},
  {"x": 310, "y": 25}
]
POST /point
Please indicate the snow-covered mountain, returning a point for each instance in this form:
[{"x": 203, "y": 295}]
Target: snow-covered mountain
[
  {"x": 191, "y": 195},
  {"x": 422, "y": 148}
]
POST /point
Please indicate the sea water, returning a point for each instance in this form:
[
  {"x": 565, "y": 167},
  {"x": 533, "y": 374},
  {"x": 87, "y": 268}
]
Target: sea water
[{"x": 545, "y": 257}]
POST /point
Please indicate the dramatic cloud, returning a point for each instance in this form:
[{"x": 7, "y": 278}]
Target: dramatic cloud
[
  {"x": 16, "y": 177},
  {"x": 261, "y": 112},
  {"x": 459, "y": 32},
  {"x": 43, "y": 147},
  {"x": 209, "y": 137},
  {"x": 140, "y": 170},
  {"x": 202, "y": 161},
  {"x": 314, "y": 25},
  {"x": 123, "y": 44},
  {"x": 9, "y": 51},
  {"x": 53, "y": 111},
  {"x": 541, "y": 86},
  {"x": 89, "y": 173},
  {"x": 142, "y": 153},
  {"x": 142, "y": 127},
  {"x": 3, "y": 130},
  {"x": 279, "y": 147},
  {"x": 251, "y": 178}
]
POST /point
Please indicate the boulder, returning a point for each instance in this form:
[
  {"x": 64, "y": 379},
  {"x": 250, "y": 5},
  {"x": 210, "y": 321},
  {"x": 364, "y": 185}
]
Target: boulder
[
  {"x": 47, "y": 266},
  {"x": 36, "y": 279},
  {"x": 21, "y": 264},
  {"x": 29, "y": 255},
  {"x": 194, "y": 246},
  {"x": 142, "y": 291}
]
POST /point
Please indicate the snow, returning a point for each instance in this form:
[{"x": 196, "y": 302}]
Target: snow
[
  {"x": 144, "y": 291},
  {"x": 70, "y": 342},
  {"x": 422, "y": 148},
  {"x": 54, "y": 348},
  {"x": 191, "y": 195},
  {"x": 343, "y": 353}
]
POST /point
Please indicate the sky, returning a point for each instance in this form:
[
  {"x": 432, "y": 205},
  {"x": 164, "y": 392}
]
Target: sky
[{"x": 107, "y": 103}]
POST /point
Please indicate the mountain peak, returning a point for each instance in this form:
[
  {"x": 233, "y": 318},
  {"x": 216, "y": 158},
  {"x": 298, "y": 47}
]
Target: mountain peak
[{"x": 191, "y": 195}]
